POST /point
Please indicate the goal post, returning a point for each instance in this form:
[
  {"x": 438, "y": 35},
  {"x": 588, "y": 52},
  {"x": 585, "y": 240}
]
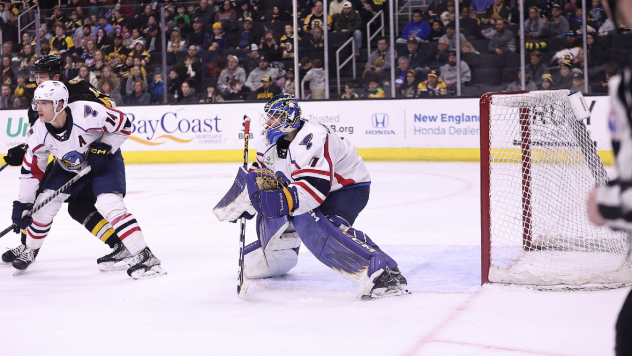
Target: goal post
[{"x": 538, "y": 164}]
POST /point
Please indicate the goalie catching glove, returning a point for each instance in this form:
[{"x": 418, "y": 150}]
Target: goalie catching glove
[
  {"x": 270, "y": 194},
  {"x": 258, "y": 191}
]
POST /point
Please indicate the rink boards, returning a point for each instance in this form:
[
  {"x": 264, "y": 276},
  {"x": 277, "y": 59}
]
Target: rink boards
[{"x": 410, "y": 130}]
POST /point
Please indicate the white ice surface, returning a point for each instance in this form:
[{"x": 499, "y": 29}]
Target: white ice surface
[{"x": 425, "y": 215}]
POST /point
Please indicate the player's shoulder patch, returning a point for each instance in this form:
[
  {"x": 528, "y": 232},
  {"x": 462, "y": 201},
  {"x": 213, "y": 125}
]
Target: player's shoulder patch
[
  {"x": 307, "y": 141},
  {"x": 88, "y": 111},
  {"x": 74, "y": 81}
]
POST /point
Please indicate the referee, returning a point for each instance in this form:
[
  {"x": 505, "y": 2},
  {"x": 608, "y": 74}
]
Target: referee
[{"x": 611, "y": 205}]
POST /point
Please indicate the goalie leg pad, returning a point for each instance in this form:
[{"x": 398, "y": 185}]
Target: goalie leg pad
[
  {"x": 339, "y": 249},
  {"x": 236, "y": 202},
  {"x": 275, "y": 252}
]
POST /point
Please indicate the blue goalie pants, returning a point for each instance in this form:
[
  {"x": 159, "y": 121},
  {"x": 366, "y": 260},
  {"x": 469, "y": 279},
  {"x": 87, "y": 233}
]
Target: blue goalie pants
[{"x": 326, "y": 232}]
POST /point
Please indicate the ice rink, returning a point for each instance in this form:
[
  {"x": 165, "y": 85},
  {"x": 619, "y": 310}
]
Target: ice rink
[{"x": 425, "y": 215}]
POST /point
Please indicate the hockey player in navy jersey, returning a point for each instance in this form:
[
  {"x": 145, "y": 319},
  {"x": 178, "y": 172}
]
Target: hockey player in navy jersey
[
  {"x": 325, "y": 186},
  {"x": 81, "y": 208},
  {"x": 78, "y": 135}
]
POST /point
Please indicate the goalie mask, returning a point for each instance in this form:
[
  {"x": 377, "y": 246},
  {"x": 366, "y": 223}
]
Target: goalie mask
[
  {"x": 281, "y": 115},
  {"x": 54, "y": 91}
]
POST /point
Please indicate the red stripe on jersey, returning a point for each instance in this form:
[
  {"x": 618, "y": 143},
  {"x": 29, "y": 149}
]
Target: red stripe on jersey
[
  {"x": 120, "y": 218},
  {"x": 120, "y": 123},
  {"x": 259, "y": 154},
  {"x": 35, "y": 170},
  {"x": 344, "y": 182},
  {"x": 25, "y": 162},
  {"x": 300, "y": 171},
  {"x": 129, "y": 232},
  {"x": 126, "y": 132},
  {"x": 331, "y": 167},
  {"x": 310, "y": 191}
]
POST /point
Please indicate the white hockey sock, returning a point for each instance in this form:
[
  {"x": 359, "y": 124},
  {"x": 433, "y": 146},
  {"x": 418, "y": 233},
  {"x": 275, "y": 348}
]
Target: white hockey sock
[
  {"x": 129, "y": 232},
  {"x": 35, "y": 234}
]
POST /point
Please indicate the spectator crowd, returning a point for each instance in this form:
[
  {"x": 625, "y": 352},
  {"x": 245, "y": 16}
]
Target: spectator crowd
[
  {"x": 244, "y": 50},
  {"x": 490, "y": 47}
]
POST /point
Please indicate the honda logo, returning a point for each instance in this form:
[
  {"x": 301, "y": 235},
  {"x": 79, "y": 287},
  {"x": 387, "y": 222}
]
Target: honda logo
[{"x": 379, "y": 120}]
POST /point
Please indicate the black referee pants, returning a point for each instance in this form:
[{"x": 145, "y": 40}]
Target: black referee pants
[{"x": 623, "y": 339}]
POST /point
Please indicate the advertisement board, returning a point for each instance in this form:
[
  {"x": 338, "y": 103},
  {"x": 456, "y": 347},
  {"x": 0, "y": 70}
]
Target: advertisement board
[{"x": 418, "y": 129}]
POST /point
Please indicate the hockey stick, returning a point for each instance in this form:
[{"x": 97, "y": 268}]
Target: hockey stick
[
  {"x": 74, "y": 179},
  {"x": 3, "y": 166},
  {"x": 242, "y": 236}
]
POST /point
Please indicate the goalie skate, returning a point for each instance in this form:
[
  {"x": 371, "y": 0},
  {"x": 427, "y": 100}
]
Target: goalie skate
[
  {"x": 118, "y": 259},
  {"x": 390, "y": 283},
  {"x": 11, "y": 255},
  {"x": 145, "y": 265},
  {"x": 24, "y": 261}
]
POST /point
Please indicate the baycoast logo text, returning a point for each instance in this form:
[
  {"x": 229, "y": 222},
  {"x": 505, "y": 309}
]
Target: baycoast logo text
[
  {"x": 155, "y": 132},
  {"x": 380, "y": 122}
]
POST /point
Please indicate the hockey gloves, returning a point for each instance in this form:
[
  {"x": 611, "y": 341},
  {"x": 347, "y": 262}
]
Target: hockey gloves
[
  {"x": 20, "y": 217},
  {"x": 99, "y": 157},
  {"x": 274, "y": 202},
  {"x": 15, "y": 155}
]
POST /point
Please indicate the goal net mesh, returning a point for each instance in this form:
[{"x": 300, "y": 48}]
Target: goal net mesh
[{"x": 542, "y": 166}]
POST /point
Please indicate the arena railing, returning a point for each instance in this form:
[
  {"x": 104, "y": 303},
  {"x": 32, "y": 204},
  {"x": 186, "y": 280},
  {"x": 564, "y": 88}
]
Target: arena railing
[
  {"x": 350, "y": 58},
  {"x": 30, "y": 11},
  {"x": 369, "y": 36}
]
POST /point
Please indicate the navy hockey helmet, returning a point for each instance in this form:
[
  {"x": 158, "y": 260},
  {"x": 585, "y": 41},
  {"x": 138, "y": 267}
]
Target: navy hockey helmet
[
  {"x": 50, "y": 64},
  {"x": 282, "y": 115}
]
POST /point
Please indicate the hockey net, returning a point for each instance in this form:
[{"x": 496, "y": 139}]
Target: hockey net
[{"x": 538, "y": 164}]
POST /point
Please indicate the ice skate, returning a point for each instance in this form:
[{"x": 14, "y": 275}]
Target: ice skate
[
  {"x": 118, "y": 259},
  {"x": 145, "y": 265},
  {"x": 12, "y": 254},
  {"x": 389, "y": 283},
  {"x": 24, "y": 260}
]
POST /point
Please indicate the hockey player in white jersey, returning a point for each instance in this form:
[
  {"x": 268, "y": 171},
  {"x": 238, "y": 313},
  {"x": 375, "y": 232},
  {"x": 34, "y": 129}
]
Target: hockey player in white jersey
[
  {"x": 325, "y": 186},
  {"x": 78, "y": 134}
]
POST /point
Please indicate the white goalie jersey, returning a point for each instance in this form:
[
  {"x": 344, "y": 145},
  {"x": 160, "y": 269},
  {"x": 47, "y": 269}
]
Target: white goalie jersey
[
  {"x": 317, "y": 163},
  {"x": 86, "y": 122}
]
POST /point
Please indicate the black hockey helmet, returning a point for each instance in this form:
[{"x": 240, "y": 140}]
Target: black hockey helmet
[
  {"x": 50, "y": 64},
  {"x": 116, "y": 67}
]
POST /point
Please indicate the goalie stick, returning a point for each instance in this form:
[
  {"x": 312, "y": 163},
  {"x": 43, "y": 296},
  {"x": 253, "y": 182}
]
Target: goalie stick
[
  {"x": 242, "y": 236},
  {"x": 74, "y": 179}
]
